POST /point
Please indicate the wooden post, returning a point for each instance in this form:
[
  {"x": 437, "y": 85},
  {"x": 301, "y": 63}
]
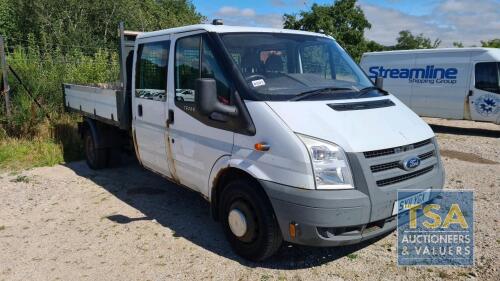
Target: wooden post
[{"x": 6, "y": 88}]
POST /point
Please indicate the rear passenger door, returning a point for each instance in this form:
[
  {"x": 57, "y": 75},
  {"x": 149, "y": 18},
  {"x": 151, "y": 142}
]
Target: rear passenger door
[
  {"x": 484, "y": 99},
  {"x": 149, "y": 103}
]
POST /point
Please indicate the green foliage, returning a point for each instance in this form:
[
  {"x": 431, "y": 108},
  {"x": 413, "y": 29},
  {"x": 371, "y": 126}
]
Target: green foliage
[
  {"x": 19, "y": 153},
  {"x": 343, "y": 20},
  {"x": 92, "y": 23},
  {"x": 43, "y": 73},
  {"x": 458, "y": 44},
  {"x": 7, "y": 26},
  {"x": 494, "y": 43},
  {"x": 408, "y": 41},
  {"x": 372, "y": 46},
  {"x": 50, "y": 42}
]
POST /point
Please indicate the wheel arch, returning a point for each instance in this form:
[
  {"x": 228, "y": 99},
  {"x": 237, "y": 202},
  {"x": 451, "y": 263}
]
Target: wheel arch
[
  {"x": 105, "y": 136},
  {"x": 223, "y": 177}
]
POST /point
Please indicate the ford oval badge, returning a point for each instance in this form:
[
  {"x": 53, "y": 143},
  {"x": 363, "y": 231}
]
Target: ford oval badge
[{"x": 410, "y": 163}]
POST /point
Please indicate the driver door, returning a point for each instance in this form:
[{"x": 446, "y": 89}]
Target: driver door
[{"x": 197, "y": 141}]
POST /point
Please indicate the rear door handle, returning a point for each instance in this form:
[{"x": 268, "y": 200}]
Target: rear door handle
[
  {"x": 170, "y": 119},
  {"x": 139, "y": 110}
]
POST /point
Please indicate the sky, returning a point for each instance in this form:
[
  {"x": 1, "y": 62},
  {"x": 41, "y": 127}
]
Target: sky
[{"x": 466, "y": 21}]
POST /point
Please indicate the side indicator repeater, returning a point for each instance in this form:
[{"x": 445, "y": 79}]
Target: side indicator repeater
[
  {"x": 262, "y": 146},
  {"x": 292, "y": 230}
]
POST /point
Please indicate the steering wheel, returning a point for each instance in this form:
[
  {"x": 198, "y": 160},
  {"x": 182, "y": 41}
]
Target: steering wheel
[{"x": 255, "y": 77}]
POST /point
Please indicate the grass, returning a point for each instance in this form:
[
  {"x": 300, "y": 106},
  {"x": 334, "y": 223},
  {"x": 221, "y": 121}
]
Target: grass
[
  {"x": 17, "y": 154},
  {"x": 352, "y": 256},
  {"x": 52, "y": 144}
]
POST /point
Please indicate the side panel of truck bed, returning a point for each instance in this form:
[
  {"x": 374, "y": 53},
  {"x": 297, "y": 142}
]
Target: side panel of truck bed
[{"x": 96, "y": 102}]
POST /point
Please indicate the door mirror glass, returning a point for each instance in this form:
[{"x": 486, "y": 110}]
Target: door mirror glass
[
  {"x": 206, "y": 99},
  {"x": 379, "y": 82}
]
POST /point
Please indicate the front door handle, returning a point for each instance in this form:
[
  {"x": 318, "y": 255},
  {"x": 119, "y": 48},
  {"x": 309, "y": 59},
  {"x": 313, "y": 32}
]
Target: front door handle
[{"x": 170, "y": 119}]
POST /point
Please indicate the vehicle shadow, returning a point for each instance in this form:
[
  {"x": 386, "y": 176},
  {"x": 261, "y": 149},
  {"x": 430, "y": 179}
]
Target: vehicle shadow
[
  {"x": 465, "y": 131},
  {"x": 186, "y": 213}
]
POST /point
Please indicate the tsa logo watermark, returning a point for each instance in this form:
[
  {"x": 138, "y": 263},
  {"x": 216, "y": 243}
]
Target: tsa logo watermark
[{"x": 435, "y": 227}]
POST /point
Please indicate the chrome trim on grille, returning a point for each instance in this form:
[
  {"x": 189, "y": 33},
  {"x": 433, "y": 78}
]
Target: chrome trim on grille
[
  {"x": 404, "y": 177},
  {"x": 395, "y": 164},
  {"x": 394, "y": 150}
]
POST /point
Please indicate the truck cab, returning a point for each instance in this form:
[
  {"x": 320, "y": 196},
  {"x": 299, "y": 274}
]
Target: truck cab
[{"x": 282, "y": 133}]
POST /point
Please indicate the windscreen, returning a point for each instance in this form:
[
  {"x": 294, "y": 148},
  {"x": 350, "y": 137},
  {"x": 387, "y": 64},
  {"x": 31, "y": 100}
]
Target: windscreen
[{"x": 280, "y": 66}]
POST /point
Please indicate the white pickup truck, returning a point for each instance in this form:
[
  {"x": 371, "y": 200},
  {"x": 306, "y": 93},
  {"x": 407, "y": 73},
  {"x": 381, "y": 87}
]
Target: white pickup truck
[{"x": 279, "y": 130}]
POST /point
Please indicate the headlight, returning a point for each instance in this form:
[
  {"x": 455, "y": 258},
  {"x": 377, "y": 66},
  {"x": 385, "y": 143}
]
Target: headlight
[{"x": 330, "y": 167}]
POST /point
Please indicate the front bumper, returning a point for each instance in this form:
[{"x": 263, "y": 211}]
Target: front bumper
[{"x": 335, "y": 217}]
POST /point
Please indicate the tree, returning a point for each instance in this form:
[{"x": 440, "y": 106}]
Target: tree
[
  {"x": 344, "y": 20},
  {"x": 372, "y": 46},
  {"x": 458, "y": 44},
  {"x": 92, "y": 23},
  {"x": 6, "y": 13},
  {"x": 408, "y": 41},
  {"x": 495, "y": 43}
]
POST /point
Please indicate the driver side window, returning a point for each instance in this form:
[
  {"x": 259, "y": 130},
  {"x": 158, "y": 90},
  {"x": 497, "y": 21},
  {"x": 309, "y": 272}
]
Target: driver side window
[{"x": 194, "y": 59}]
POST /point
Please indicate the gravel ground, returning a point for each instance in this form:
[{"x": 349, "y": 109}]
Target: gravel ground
[{"x": 71, "y": 223}]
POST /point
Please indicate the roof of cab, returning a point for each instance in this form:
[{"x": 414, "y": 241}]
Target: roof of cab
[{"x": 226, "y": 29}]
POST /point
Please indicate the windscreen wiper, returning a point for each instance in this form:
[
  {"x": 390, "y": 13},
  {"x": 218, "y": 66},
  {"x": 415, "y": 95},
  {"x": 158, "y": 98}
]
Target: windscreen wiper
[
  {"x": 312, "y": 93},
  {"x": 366, "y": 90}
]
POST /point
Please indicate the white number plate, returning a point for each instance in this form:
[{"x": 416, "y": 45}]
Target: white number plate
[{"x": 415, "y": 199}]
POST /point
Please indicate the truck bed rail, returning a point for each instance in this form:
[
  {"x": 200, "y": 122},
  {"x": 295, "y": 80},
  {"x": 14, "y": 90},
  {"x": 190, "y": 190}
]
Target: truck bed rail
[{"x": 94, "y": 102}]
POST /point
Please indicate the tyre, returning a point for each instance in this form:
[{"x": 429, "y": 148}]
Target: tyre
[
  {"x": 96, "y": 158},
  {"x": 249, "y": 221}
]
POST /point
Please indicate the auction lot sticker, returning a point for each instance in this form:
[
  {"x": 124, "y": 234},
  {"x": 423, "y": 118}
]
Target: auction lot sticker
[{"x": 436, "y": 230}]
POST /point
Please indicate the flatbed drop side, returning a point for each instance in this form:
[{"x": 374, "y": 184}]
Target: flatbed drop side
[
  {"x": 280, "y": 130},
  {"x": 107, "y": 103}
]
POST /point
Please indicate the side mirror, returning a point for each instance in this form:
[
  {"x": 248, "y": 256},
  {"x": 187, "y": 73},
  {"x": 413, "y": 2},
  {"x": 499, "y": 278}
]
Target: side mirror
[
  {"x": 206, "y": 99},
  {"x": 379, "y": 82}
]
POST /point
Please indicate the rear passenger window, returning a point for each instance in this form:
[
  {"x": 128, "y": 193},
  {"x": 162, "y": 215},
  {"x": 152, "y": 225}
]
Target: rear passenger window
[
  {"x": 151, "y": 70},
  {"x": 194, "y": 59},
  {"x": 487, "y": 76}
]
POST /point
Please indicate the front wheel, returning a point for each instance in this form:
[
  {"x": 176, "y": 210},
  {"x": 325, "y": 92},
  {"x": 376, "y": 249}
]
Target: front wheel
[{"x": 249, "y": 221}]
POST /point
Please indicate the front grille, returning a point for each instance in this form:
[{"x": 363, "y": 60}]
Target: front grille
[
  {"x": 395, "y": 164},
  {"x": 404, "y": 177},
  {"x": 394, "y": 150},
  {"x": 384, "y": 167},
  {"x": 426, "y": 155}
]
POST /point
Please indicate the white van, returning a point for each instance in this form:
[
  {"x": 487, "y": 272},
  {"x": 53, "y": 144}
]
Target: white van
[
  {"x": 285, "y": 136},
  {"x": 458, "y": 83}
]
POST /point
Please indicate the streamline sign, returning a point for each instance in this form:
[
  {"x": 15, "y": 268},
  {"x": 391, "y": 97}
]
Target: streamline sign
[{"x": 430, "y": 74}]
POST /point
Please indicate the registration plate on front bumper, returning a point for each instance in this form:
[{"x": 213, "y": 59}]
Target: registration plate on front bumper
[{"x": 404, "y": 204}]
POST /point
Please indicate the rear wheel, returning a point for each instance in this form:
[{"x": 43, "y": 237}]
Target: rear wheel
[
  {"x": 249, "y": 221},
  {"x": 96, "y": 158}
]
